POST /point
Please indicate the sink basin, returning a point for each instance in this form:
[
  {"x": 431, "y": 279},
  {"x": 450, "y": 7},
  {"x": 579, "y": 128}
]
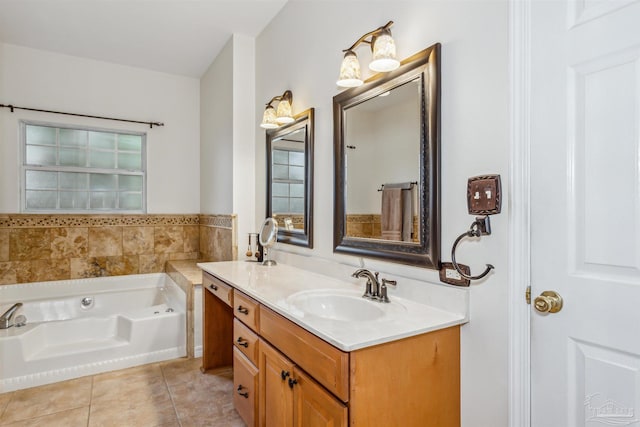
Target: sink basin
[{"x": 338, "y": 305}]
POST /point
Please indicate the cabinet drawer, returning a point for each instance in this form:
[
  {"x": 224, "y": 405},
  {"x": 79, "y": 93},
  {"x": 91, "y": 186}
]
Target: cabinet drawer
[
  {"x": 325, "y": 363},
  {"x": 218, "y": 288},
  {"x": 245, "y": 388},
  {"x": 246, "y": 309},
  {"x": 246, "y": 341}
]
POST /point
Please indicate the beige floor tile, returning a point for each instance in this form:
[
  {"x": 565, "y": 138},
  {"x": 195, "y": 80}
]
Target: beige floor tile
[
  {"x": 208, "y": 400},
  {"x": 4, "y": 401},
  {"x": 182, "y": 370},
  {"x": 139, "y": 384},
  {"x": 152, "y": 413},
  {"x": 78, "y": 417},
  {"x": 48, "y": 399}
]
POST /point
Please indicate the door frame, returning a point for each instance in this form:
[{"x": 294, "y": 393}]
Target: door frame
[{"x": 519, "y": 213}]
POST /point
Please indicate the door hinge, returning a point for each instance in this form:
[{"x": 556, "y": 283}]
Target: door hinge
[{"x": 527, "y": 294}]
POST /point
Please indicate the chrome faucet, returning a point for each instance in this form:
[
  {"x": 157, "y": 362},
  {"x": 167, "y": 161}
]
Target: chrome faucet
[
  {"x": 373, "y": 286},
  {"x": 374, "y": 290},
  {"x": 5, "y": 319}
]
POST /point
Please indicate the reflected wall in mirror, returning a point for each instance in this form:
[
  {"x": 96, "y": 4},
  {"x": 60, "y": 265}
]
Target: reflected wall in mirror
[
  {"x": 386, "y": 148},
  {"x": 290, "y": 179}
]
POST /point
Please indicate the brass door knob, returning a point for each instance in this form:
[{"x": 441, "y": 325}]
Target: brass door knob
[{"x": 548, "y": 302}]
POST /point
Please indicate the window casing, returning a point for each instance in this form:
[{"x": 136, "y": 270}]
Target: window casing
[{"x": 74, "y": 169}]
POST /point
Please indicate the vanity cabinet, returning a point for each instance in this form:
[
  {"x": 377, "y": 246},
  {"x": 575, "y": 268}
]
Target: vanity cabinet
[
  {"x": 217, "y": 316},
  {"x": 286, "y": 376},
  {"x": 291, "y": 398}
]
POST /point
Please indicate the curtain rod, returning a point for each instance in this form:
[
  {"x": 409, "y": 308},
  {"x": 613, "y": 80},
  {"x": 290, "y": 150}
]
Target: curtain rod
[{"x": 13, "y": 107}]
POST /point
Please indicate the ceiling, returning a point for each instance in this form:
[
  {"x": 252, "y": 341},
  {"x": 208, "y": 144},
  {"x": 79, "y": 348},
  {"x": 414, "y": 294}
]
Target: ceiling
[{"x": 173, "y": 36}]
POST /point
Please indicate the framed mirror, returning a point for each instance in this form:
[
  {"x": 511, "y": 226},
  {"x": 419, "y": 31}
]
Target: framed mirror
[
  {"x": 290, "y": 179},
  {"x": 387, "y": 164}
]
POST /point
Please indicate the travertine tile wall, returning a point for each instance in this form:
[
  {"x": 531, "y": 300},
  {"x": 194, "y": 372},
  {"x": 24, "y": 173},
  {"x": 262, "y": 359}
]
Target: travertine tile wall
[
  {"x": 368, "y": 226},
  {"x": 37, "y": 248},
  {"x": 218, "y": 240}
]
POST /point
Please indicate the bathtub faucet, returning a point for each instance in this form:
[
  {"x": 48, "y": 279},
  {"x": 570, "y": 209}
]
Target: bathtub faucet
[{"x": 5, "y": 319}]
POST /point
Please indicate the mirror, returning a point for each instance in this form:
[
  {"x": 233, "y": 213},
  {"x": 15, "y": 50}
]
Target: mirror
[
  {"x": 290, "y": 179},
  {"x": 386, "y": 159},
  {"x": 268, "y": 237}
]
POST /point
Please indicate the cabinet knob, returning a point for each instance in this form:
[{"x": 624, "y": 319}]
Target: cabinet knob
[
  {"x": 244, "y": 343},
  {"x": 244, "y": 394},
  {"x": 292, "y": 382},
  {"x": 284, "y": 374},
  {"x": 214, "y": 287},
  {"x": 243, "y": 310}
]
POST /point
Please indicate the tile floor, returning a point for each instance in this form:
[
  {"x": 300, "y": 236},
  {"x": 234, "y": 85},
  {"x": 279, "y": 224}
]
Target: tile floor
[{"x": 166, "y": 394}]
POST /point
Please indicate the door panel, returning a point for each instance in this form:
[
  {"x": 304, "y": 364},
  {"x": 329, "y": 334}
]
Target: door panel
[
  {"x": 276, "y": 396},
  {"x": 585, "y": 212},
  {"x": 316, "y": 407}
]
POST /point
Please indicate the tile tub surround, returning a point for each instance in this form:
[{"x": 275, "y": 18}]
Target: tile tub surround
[
  {"x": 218, "y": 237},
  {"x": 272, "y": 286},
  {"x": 36, "y": 248},
  {"x": 188, "y": 276}
]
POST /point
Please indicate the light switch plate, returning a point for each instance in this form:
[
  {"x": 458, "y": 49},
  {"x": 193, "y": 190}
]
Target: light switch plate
[
  {"x": 449, "y": 275},
  {"x": 484, "y": 194}
]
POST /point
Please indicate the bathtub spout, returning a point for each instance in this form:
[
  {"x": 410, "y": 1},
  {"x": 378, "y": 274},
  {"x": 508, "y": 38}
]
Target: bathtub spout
[{"x": 5, "y": 319}]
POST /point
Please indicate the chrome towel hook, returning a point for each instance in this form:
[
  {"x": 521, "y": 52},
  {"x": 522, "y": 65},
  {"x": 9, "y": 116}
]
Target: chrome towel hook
[{"x": 480, "y": 227}]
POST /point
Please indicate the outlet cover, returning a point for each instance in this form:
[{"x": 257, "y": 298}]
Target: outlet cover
[
  {"x": 450, "y": 276},
  {"x": 484, "y": 194}
]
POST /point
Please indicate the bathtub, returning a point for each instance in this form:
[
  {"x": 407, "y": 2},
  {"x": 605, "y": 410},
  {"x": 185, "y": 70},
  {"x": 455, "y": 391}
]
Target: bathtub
[{"x": 87, "y": 326}]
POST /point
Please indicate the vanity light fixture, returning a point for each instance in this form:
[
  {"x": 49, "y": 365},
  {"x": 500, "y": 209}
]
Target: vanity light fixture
[
  {"x": 383, "y": 50},
  {"x": 273, "y": 118}
]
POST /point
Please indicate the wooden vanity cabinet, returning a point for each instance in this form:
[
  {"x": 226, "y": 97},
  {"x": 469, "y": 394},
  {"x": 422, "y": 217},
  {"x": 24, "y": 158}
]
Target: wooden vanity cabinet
[
  {"x": 245, "y": 387},
  {"x": 217, "y": 317},
  {"x": 288, "y": 397},
  {"x": 285, "y": 376}
]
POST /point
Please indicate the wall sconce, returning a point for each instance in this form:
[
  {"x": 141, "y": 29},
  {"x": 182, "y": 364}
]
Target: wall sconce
[
  {"x": 383, "y": 50},
  {"x": 271, "y": 118}
]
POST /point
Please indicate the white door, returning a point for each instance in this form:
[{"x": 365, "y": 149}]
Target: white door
[{"x": 585, "y": 212}]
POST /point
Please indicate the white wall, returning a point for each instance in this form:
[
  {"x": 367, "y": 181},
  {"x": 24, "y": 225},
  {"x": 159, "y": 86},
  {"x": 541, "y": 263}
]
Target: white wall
[
  {"x": 298, "y": 52},
  {"x": 216, "y": 134},
  {"x": 227, "y": 139},
  {"x": 45, "y": 80}
]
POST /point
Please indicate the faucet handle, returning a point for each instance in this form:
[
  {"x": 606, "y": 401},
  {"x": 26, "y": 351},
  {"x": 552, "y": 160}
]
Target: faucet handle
[
  {"x": 389, "y": 282},
  {"x": 383, "y": 290}
]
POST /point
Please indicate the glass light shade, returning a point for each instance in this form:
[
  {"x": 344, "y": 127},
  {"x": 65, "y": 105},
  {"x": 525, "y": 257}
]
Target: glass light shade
[
  {"x": 284, "y": 114},
  {"x": 350, "y": 71},
  {"x": 384, "y": 54},
  {"x": 269, "y": 118}
]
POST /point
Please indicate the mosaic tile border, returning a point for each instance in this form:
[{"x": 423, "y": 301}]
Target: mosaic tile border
[
  {"x": 221, "y": 221},
  {"x": 41, "y": 221}
]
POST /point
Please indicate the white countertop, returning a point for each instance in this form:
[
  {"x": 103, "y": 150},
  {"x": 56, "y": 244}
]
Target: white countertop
[{"x": 274, "y": 287}]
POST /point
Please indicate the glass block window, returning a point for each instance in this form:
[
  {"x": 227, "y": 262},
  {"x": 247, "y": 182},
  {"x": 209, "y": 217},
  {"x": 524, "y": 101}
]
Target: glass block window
[
  {"x": 287, "y": 191},
  {"x": 68, "y": 169}
]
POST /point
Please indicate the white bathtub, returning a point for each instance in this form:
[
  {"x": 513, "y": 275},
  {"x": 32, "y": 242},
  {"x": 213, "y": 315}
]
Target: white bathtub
[{"x": 133, "y": 320}]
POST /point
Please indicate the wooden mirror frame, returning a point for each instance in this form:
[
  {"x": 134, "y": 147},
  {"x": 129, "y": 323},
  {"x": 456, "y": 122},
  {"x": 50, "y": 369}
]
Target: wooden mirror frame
[
  {"x": 301, "y": 120},
  {"x": 426, "y": 66}
]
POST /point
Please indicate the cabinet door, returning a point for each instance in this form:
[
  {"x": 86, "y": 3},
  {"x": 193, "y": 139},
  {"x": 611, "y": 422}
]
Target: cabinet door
[
  {"x": 314, "y": 406},
  {"x": 276, "y": 393}
]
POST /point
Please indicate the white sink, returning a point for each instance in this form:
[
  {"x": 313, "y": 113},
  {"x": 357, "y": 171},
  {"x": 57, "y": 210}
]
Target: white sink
[{"x": 340, "y": 305}]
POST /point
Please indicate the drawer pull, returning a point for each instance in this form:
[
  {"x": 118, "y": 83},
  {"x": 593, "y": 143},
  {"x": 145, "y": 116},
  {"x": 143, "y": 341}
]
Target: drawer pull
[
  {"x": 214, "y": 287},
  {"x": 242, "y": 342},
  {"x": 241, "y": 393},
  {"x": 292, "y": 382},
  {"x": 243, "y": 310},
  {"x": 284, "y": 374}
]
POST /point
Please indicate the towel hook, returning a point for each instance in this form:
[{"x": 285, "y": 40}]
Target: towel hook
[{"x": 480, "y": 227}]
